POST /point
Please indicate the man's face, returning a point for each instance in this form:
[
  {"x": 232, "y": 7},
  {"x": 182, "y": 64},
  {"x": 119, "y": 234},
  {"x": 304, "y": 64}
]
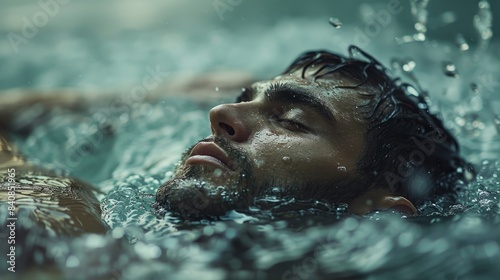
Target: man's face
[{"x": 288, "y": 137}]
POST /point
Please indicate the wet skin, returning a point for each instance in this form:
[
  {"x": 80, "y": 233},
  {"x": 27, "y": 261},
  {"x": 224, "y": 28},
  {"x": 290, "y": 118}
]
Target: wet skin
[
  {"x": 57, "y": 205},
  {"x": 293, "y": 131},
  {"x": 302, "y": 136}
]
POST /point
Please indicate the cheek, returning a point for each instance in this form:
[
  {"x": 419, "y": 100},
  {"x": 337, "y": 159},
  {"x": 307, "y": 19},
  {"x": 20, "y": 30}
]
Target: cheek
[
  {"x": 304, "y": 159},
  {"x": 272, "y": 151},
  {"x": 292, "y": 155}
]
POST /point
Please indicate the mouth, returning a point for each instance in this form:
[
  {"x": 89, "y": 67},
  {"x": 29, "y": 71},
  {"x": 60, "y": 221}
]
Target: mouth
[{"x": 211, "y": 154}]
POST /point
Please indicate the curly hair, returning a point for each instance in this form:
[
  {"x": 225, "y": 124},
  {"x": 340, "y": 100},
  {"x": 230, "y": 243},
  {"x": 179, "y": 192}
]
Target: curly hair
[{"x": 408, "y": 150}]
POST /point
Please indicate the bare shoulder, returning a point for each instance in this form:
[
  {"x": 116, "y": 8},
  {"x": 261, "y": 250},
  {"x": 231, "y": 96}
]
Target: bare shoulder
[{"x": 62, "y": 206}]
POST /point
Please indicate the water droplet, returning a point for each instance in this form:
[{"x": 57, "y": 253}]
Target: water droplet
[
  {"x": 420, "y": 27},
  {"x": 485, "y": 202},
  {"x": 287, "y": 160},
  {"x": 406, "y": 239},
  {"x": 448, "y": 17},
  {"x": 413, "y": 91},
  {"x": 72, "y": 261},
  {"x": 461, "y": 43},
  {"x": 217, "y": 172},
  {"x": 483, "y": 194},
  {"x": 409, "y": 66},
  {"x": 468, "y": 175},
  {"x": 450, "y": 69},
  {"x": 422, "y": 106},
  {"x": 335, "y": 22},
  {"x": 460, "y": 121},
  {"x": 473, "y": 87},
  {"x": 490, "y": 249},
  {"x": 419, "y": 37},
  {"x": 419, "y": 12},
  {"x": 342, "y": 168},
  {"x": 395, "y": 64},
  {"x": 147, "y": 251},
  {"x": 118, "y": 232},
  {"x": 258, "y": 162},
  {"x": 477, "y": 123},
  {"x": 482, "y": 21},
  {"x": 476, "y": 103}
]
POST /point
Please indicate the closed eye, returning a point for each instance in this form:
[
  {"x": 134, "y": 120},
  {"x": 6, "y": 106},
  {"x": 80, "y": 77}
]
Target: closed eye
[{"x": 290, "y": 124}]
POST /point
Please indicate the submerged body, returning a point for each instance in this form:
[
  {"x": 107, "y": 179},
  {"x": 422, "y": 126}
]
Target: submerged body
[{"x": 58, "y": 205}]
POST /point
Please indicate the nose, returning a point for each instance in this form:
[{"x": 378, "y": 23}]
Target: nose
[{"x": 230, "y": 121}]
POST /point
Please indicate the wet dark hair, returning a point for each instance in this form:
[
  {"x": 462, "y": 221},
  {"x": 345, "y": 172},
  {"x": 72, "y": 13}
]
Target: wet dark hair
[{"x": 408, "y": 150}]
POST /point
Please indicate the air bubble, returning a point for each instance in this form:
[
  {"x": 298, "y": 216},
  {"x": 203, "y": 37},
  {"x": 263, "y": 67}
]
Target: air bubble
[{"x": 342, "y": 168}]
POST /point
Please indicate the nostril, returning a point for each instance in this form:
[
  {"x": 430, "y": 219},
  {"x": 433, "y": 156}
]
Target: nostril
[{"x": 227, "y": 128}]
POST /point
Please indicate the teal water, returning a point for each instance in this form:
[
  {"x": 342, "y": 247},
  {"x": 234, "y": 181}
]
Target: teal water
[{"x": 128, "y": 154}]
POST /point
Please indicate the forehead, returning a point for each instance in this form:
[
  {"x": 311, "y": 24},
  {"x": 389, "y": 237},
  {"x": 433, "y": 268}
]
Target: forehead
[
  {"x": 331, "y": 90},
  {"x": 332, "y": 84}
]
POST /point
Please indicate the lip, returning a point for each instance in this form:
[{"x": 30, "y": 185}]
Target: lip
[{"x": 210, "y": 153}]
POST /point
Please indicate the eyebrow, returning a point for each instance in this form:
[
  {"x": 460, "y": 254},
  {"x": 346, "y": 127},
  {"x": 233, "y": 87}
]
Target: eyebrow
[{"x": 284, "y": 93}]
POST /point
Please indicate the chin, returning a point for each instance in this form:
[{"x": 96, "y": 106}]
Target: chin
[{"x": 202, "y": 192}]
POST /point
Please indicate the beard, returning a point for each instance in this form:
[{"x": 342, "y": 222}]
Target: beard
[{"x": 203, "y": 192}]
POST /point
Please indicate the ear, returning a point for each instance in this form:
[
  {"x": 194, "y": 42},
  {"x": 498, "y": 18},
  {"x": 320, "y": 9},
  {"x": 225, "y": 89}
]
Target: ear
[{"x": 381, "y": 199}]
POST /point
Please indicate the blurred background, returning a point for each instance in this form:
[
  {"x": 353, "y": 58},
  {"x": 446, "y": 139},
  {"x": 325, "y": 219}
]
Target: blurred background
[{"x": 107, "y": 43}]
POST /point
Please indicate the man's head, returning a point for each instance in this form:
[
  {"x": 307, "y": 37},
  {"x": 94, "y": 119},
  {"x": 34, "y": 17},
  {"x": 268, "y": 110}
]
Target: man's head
[{"x": 329, "y": 128}]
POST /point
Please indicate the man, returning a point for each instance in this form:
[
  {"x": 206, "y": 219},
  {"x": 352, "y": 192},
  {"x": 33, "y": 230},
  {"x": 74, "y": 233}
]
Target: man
[{"x": 330, "y": 128}]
